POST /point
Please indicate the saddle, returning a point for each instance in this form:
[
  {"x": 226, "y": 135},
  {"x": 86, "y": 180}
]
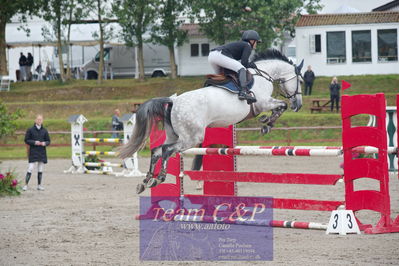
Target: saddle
[{"x": 228, "y": 80}]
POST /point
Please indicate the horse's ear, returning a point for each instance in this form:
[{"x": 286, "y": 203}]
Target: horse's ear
[{"x": 299, "y": 67}]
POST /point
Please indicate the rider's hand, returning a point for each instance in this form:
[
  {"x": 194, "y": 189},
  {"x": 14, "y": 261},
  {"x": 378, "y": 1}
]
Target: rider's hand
[{"x": 252, "y": 65}]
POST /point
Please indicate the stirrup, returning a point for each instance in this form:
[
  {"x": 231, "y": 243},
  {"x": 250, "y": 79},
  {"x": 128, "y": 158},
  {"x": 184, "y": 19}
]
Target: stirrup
[
  {"x": 250, "y": 99},
  {"x": 242, "y": 96}
]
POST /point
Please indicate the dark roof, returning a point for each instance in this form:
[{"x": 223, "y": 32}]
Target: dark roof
[
  {"x": 73, "y": 118},
  {"x": 192, "y": 29},
  {"x": 352, "y": 18},
  {"x": 126, "y": 117},
  {"x": 387, "y": 6}
]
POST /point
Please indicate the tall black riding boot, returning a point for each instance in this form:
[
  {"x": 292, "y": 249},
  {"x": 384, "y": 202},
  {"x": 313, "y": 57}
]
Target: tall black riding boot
[
  {"x": 39, "y": 181},
  {"x": 244, "y": 94},
  {"x": 39, "y": 178},
  {"x": 27, "y": 178}
]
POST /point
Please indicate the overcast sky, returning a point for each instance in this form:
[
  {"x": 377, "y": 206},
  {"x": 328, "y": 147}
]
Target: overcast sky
[{"x": 362, "y": 5}]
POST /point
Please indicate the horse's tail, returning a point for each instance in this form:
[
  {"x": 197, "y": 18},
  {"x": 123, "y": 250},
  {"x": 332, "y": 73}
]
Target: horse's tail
[{"x": 149, "y": 113}]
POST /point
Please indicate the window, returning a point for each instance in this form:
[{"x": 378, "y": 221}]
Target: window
[
  {"x": 291, "y": 52},
  {"x": 361, "y": 46},
  {"x": 106, "y": 55},
  {"x": 315, "y": 43},
  {"x": 194, "y": 49},
  {"x": 205, "y": 49},
  {"x": 387, "y": 45},
  {"x": 336, "y": 49}
]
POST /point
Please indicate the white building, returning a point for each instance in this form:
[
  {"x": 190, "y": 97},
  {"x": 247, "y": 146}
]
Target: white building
[
  {"x": 349, "y": 44},
  {"x": 192, "y": 56}
]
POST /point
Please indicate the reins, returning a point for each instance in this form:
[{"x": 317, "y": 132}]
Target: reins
[{"x": 265, "y": 75}]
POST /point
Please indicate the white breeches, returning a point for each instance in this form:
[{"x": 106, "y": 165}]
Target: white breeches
[
  {"x": 218, "y": 60},
  {"x": 40, "y": 167}
]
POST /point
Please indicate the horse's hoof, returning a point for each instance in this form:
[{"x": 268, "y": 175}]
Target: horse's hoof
[
  {"x": 140, "y": 188},
  {"x": 161, "y": 179},
  {"x": 264, "y": 119},
  {"x": 265, "y": 129},
  {"x": 152, "y": 183},
  {"x": 147, "y": 177}
]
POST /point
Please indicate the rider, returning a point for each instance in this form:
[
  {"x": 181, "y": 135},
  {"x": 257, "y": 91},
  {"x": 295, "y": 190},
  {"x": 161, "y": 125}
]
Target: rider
[{"x": 228, "y": 56}]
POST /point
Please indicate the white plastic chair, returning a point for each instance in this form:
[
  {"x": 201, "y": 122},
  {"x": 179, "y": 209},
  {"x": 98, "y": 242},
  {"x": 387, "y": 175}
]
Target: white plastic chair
[{"x": 5, "y": 83}]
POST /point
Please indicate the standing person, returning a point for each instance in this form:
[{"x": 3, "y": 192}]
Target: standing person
[
  {"x": 22, "y": 64},
  {"x": 37, "y": 138},
  {"x": 334, "y": 93},
  {"x": 39, "y": 71},
  {"x": 47, "y": 74},
  {"x": 229, "y": 55},
  {"x": 116, "y": 123},
  {"x": 29, "y": 63},
  {"x": 309, "y": 78}
]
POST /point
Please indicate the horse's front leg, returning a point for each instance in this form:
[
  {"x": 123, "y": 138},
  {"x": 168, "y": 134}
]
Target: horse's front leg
[{"x": 278, "y": 107}]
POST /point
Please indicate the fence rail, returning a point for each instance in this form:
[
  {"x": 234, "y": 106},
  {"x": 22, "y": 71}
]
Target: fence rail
[{"x": 288, "y": 140}]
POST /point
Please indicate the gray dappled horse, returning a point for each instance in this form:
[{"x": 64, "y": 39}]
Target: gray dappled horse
[{"x": 186, "y": 116}]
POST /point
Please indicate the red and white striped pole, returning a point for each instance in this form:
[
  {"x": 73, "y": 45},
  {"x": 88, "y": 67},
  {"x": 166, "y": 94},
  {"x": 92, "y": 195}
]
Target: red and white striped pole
[
  {"x": 271, "y": 223},
  {"x": 263, "y": 152}
]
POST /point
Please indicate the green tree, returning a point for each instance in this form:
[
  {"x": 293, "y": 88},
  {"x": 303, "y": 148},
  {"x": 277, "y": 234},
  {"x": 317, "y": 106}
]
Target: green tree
[
  {"x": 61, "y": 14},
  {"x": 134, "y": 17},
  {"x": 99, "y": 11},
  {"x": 167, "y": 31},
  {"x": 9, "y": 9},
  {"x": 273, "y": 18},
  {"x": 224, "y": 21},
  {"x": 56, "y": 13},
  {"x": 7, "y": 120},
  {"x": 217, "y": 19},
  {"x": 102, "y": 13}
]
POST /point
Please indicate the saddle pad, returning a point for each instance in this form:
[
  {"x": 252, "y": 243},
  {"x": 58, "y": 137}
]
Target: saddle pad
[{"x": 230, "y": 86}]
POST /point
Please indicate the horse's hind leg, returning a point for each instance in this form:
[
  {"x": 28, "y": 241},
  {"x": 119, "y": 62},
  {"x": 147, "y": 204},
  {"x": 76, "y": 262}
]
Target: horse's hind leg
[
  {"x": 156, "y": 154},
  {"x": 164, "y": 152},
  {"x": 167, "y": 151}
]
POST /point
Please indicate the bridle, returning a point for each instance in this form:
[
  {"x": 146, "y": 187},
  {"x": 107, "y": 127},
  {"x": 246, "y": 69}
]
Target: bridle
[{"x": 265, "y": 75}]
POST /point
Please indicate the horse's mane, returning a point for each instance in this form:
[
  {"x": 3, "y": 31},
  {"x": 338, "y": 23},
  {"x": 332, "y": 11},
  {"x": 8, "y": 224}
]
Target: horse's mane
[{"x": 271, "y": 54}]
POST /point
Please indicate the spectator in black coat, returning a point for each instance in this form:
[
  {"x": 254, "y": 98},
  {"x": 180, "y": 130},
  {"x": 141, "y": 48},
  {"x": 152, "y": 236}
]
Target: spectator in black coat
[
  {"x": 309, "y": 78},
  {"x": 37, "y": 138},
  {"x": 29, "y": 63},
  {"x": 22, "y": 67},
  {"x": 334, "y": 93}
]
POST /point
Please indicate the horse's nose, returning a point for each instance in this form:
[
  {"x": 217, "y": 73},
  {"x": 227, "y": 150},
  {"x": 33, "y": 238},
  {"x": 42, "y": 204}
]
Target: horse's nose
[{"x": 296, "y": 105}]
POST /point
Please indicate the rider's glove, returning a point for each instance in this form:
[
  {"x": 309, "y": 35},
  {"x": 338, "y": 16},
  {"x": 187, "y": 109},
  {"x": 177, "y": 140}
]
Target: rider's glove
[{"x": 252, "y": 65}]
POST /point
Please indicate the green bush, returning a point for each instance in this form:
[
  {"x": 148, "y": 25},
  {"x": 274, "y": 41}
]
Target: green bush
[
  {"x": 7, "y": 120},
  {"x": 9, "y": 184}
]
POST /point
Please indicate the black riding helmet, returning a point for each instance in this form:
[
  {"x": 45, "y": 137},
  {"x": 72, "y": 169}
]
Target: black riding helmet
[{"x": 250, "y": 35}]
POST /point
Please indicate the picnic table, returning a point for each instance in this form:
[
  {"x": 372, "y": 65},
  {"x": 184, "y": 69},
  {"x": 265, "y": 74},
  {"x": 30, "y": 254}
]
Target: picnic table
[{"x": 320, "y": 104}]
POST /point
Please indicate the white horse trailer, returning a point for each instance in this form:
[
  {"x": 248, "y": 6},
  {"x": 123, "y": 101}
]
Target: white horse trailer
[{"x": 120, "y": 61}]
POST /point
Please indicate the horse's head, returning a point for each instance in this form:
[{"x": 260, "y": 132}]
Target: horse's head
[
  {"x": 290, "y": 84},
  {"x": 274, "y": 66}
]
